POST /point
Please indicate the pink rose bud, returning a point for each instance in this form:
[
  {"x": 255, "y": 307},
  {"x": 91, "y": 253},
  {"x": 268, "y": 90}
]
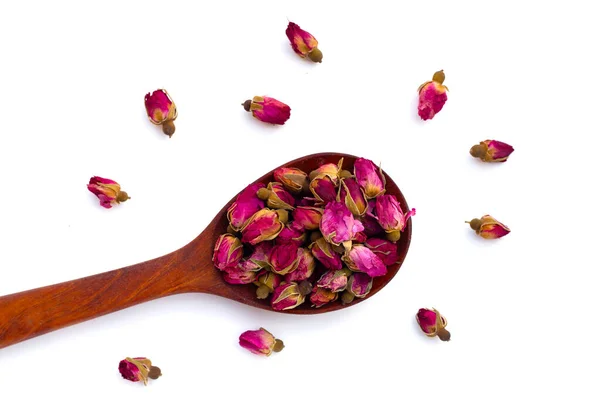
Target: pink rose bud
[
  {"x": 492, "y": 151},
  {"x": 305, "y": 269},
  {"x": 391, "y": 217},
  {"x": 238, "y": 275},
  {"x": 352, "y": 195},
  {"x": 361, "y": 259},
  {"x": 228, "y": 251},
  {"x": 321, "y": 296},
  {"x": 245, "y": 206},
  {"x": 267, "y": 109},
  {"x": 267, "y": 282},
  {"x": 303, "y": 43},
  {"x": 369, "y": 221},
  {"x": 108, "y": 191},
  {"x": 338, "y": 225},
  {"x": 260, "y": 342},
  {"x": 432, "y": 323},
  {"x": 369, "y": 177},
  {"x": 287, "y": 296},
  {"x": 263, "y": 225},
  {"x": 359, "y": 285},
  {"x": 259, "y": 258},
  {"x": 161, "y": 110},
  {"x": 138, "y": 369},
  {"x": 432, "y": 96},
  {"x": 331, "y": 170},
  {"x": 323, "y": 251},
  {"x": 284, "y": 258},
  {"x": 307, "y": 218},
  {"x": 488, "y": 227},
  {"x": 385, "y": 250},
  {"x": 336, "y": 281},
  {"x": 291, "y": 235},
  {"x": 293, "y": 179},
  {"x": 276, "y": 196},
  {"x": 323, "y": 188}
]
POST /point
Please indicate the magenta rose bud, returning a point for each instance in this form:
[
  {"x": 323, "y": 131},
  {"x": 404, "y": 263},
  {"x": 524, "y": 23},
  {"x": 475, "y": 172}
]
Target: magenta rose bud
[
  {"x": 352, "y": 195},
  {"x": 305, "y": 269},
  {"x": 369, "y": 177},
  {"x": 432, "y": 96},
  {"x": 488, "y": 227},
  {"x": 432, "y": 323},
  {"x": 263, "y": 225},
  {"x": 384, "y": 249},
  {"x": 336, "y": 281},
  {"x": 268, "y": 109},
  {"x": 369, "y": 221},
  {"x": 138, "y": 369},
  {"x": 228, "y": 251},
  {"x": 161, "y": 110},
  {"x": 321, "y": 296},
  {"x": 391, "y": 217},
  {"x": 307, "y": 218},
  {"x": 360, "y": 284},
  {"x": 260, "y": 342},
  {"x": 293, "y": 179},
  {"x": 238, "y": 275},
  {"x": 331, "y": 170},
  {"x": 287, "y": 296},
  {"x": 284, "y": 258},
  {"x": 108, "y": 191},
  {"x": 259, "y": 258},
  {"x": 323, "y": 251},
  {"x": 323, "y": 188},
  {"x": 338, "y": 224},
  {"x": 245, "y": 206},
  {"x": 361, "y": 259},
  {"x": 303, "y": 43},
  {"x": 276, "y": 196},
  {"x": 291, "y": 235},
  {"x": 492, "y": 151}
]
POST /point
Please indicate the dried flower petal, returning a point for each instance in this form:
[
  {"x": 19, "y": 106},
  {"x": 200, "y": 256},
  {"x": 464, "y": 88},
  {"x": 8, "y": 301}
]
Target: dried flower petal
[
  {"x": 384, "y": 249},
  {"x": 268, "y": 109},
  {"x": 492, "y": 151},
  {"x": 138, "y": 369},
  {"x": 294, "y": 179},
  {"x": 303, "y": 43},
  {"x": 369, "y": 177},
  {"x": 323, "y": 251},
  {"x": 321, "y": 296},
  {"x": 432, "y": 96},
  {"x": 107, "y": 191},
  {"x": 287, "y": 296},
  {"x": 228, "y": 251},
  {"x": 161, "y": 110},
  {"x": 263, "y": 225},
  {"x": 260, "y": 342},
  {"x": 488, "y": 227},
  {"x": 432, "y": 323},
  {"x": 284, "y": 258},
  {"x": 352, "y": 195},
  {"x": 361, "y": 259},
  {"x": 307, "y": 218},
  {"x": 305, "y": 269},
  {"x": 245, "y": 206}
]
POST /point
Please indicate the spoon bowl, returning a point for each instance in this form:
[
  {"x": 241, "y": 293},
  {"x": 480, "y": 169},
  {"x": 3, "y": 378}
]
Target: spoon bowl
[{"x": 34, "y": 312}]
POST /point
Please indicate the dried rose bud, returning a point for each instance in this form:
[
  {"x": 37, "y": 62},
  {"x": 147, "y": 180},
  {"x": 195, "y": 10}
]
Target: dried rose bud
[
  {"x": 369, "y": 177},
  {"x": 305, "y": 269},
  {"x": 238, "y": 275},
  {"x": 303, "y": 43},
  {"x": 307, "y": 218},
  {"x": 432, "y": 323},
  {"x": 276, "y": 196},
  {"x": 361, "y": 259},
  {"x": 263, "y": 225},
  {"x": 287, "y": 296},
  {"x": 390, "y": 216},
  {"x": 294, "y": 179},
  {"x": 323, "y": 188},
  {"x": 336, "y": 281},
  {"x": 138, "y": 369},
  {"x": 245, "y": 206},
  {"x": 292, "y": 235},
  {"x": 488, "y": 227},
  {"x": 284, "y": 258},
  {"x": 432, "y": 96},
  {"x": 107, "y": 191},
  {"x": 369, "y": 221},
  {"x": 321, "y": 296},
  {"x": 353, "y": 196},
  {"x": 360, "y": 237},
  {"x": 323, "y": 251},
  {"x": 267, "y": 282},
  {"x": 161, "y": 110},
  {"x": 385, "y": 250},
  {"x": 228, "y": 251},
  {"x": 260, "y": 342},
  {"x": 359, "y": 285},
  {"x": 338, "y": 224},
  {"x": 492, "y": 151},
  {"x": 330, "y": 169},
  {"x": 267, "y": 109},
  {"x": 259, "y": 258}
]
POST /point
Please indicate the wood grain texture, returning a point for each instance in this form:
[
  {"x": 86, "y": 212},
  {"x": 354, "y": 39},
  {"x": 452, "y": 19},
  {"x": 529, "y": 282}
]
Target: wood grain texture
[{"x": 34, "y": 312}]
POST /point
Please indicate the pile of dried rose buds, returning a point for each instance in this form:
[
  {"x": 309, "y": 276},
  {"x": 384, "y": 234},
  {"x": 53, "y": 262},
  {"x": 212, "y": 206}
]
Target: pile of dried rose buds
[{"x": 320, "y": 235}]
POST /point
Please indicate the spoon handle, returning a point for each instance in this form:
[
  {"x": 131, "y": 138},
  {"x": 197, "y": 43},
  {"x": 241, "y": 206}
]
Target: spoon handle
[{"x": 34, "y": 312}]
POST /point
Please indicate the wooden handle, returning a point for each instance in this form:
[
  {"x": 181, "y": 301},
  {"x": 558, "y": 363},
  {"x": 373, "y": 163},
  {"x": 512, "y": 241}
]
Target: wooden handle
[{"x": 35, "y": 312}]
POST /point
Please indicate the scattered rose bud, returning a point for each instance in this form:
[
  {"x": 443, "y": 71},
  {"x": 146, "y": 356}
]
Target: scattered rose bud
[
  {"x": 323, "y": 251},
  {"x": 260, "y": 342},
  {"x": 352, "y": 195},
  {"x": 385, "y": 250},
  {"x": 228, "y": 251},
  {"x": 321, "y": 296},
  {"x": 323, "y": 188},
  {"x": 390, "y": 216},
  {"x": 284, "y": 258},
  {"x": 161, "y": 110},
  {"x": 432, "y": 323},
  {"x": 336, "y": 281},
  {"x": 287, "y": 296},
  {"x": 369, "y": 177},
  {"x": 359, "y": 285},
  {"x": 307, "y": 218},
  {"x": 267, "y": 282},
  {"x": 492, "y": 151},
  {"x": 267, "y": 109},
  {"x": 238, "y": 275},
  {"x": 303, "y": 43},
  {"x": 245, "y": 206},
  {"x": 107, "y": 191},
  {"x": 293, "y": 179},
  {"x": 361, "y": 259},
  {"x": 305, "y": 269},
  {"x": 263, "y": 225},
  {"x": 338, "y": 224},
  {"x": 432, "y": 96},
  {"x": 276, "y": 196},
  {"x": 138, "y": 369},
  {"x": 488, "y": 227}
]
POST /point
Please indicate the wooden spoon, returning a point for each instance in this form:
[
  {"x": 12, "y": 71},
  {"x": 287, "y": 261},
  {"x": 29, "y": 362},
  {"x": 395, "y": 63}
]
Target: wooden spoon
[{"x": 34, "y": 312}]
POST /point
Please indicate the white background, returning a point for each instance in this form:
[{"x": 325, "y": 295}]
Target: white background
[{"x": 521, "y": 310}]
